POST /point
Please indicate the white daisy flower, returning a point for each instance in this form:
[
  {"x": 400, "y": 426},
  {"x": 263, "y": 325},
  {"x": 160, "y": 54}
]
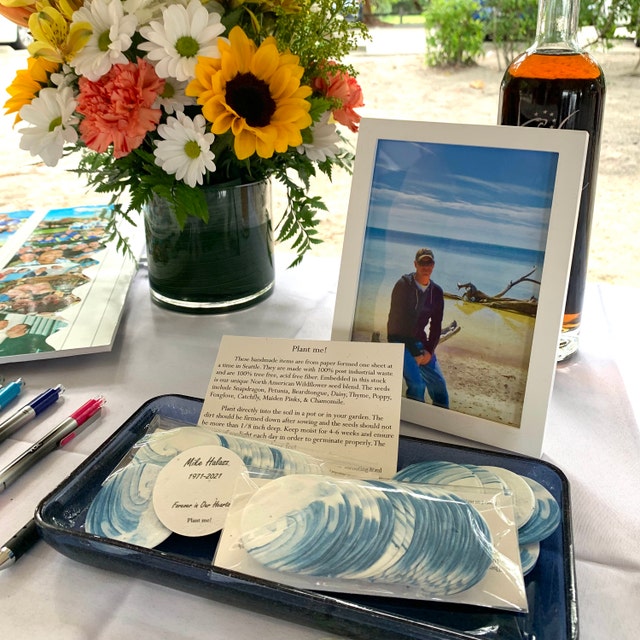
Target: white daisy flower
[
  {"x": 64, "y": 77},
  {"x": 185, "y": 149},
  {"x": 325, "y": 142},
  {"x": 50, "y": 119},
  {"x": 173, "y": 97},
  {"x": 183, "y": 34},
  {"x": 112, "y": 32},
  {"x": 147, "y": 10}
]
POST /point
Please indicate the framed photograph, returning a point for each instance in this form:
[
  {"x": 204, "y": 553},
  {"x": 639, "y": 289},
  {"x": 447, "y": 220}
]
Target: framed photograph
[{"x": 458, "y": 244}]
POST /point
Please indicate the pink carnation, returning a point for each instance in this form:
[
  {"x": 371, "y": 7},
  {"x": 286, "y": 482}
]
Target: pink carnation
[
  {"x": 117, "y": 107},
  {"x": 339, "y": 85}
]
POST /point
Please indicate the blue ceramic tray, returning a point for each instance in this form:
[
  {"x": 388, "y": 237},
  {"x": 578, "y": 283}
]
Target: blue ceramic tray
[{"x": 185, "y": 563}]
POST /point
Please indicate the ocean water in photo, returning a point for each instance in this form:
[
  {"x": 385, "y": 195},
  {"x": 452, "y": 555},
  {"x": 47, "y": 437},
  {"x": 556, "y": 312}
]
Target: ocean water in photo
[
  {"x": 389, "y": 254},
  {"x": 486, "y": 363}
]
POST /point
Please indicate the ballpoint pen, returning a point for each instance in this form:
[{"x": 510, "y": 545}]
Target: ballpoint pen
[
  {"x": 57, "y": 437},
  {"x": 10, "y": 392},
  {"x": 29, "y": 411},
  {"x": 19, "y": 544}
]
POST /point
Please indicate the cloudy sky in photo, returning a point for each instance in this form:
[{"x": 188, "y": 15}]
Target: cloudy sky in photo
[{"x": 479, "y": 194}]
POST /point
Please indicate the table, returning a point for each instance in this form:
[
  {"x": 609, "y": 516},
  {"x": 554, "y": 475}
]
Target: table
[{"x": 592, "y": 435}]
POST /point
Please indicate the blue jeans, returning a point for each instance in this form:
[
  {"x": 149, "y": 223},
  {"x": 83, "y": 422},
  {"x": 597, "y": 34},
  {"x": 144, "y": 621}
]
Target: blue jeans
[{"x": 426, "y": 377}]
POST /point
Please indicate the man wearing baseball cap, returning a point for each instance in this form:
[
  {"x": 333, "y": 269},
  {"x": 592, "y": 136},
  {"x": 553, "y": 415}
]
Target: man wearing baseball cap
[{"x": 415, "y": 319}]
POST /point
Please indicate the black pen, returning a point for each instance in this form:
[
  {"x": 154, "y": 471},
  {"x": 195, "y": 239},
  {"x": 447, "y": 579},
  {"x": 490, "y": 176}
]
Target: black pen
[{"x": 19, "y": 544}]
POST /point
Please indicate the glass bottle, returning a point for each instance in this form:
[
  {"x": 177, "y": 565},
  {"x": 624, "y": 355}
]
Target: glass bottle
[{"x": 554, "y": 84}]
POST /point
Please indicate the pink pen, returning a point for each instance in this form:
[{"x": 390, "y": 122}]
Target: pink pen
[
  {"x": 80, "y": 416},
  {"x": 57, "y": 437}
]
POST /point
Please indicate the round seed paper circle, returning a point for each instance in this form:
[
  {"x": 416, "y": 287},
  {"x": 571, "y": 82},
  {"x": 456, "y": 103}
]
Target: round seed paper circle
[
  {"x": 523, "y": 498},
  {"x": 545, "y": 518}
]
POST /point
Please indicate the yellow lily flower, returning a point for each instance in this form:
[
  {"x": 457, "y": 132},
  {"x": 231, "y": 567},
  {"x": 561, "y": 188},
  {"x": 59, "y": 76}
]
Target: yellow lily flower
[
  {"x": 54, "y": 38},
  {"x": 65, "y": 7}
]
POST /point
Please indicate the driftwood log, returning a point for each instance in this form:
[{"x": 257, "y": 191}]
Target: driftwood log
[{"x": 499, "y": 301}]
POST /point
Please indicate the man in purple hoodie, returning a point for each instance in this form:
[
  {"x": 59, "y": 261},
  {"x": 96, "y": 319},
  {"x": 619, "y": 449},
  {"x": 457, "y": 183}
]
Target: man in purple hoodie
[{"x": 415, "y": 319}]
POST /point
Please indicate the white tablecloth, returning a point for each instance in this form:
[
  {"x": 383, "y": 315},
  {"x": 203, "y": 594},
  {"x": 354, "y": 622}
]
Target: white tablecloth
[{"x": 592, "y": 435}]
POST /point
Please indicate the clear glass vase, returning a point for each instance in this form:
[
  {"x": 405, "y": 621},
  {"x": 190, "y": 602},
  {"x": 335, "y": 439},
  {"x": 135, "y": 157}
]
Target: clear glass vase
[{"x": 221, "y": 265}]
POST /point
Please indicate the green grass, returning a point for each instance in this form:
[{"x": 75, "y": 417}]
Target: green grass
[{"x": 406, "y": 20}]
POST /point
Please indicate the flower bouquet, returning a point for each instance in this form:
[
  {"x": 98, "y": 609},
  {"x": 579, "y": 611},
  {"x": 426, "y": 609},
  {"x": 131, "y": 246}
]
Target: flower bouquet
[{"x": 163, "y": 97}]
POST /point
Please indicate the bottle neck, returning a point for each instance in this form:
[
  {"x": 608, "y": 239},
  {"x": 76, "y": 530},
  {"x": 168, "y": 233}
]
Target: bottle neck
[{"x": 558, "y": 25}]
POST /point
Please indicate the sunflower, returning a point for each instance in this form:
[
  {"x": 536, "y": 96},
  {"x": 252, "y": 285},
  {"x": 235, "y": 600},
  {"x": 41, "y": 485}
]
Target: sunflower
[
  {"x": 27, "y": 84},
  {"x": 255, "y": 92}
]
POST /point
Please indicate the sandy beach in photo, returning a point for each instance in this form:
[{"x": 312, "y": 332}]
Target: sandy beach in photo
[{"x": 485, "y": 363}]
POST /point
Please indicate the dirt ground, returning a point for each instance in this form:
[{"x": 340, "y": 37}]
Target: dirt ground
[{"x": 397, "y": 84}]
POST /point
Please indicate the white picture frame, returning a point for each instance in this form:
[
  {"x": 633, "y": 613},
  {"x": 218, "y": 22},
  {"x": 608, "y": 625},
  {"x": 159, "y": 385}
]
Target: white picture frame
[{"x": 485, "y": 199}]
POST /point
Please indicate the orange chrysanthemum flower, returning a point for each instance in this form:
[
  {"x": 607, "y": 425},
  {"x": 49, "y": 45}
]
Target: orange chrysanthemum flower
[
  {"x": 27, "y": 84},
  {"x": 255, "y": 92},
  {"x": 117, "y": 108}
]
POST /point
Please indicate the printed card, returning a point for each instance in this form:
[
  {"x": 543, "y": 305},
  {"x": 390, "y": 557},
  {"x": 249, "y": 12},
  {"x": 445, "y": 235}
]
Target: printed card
[{"x": 339, "y": 401}]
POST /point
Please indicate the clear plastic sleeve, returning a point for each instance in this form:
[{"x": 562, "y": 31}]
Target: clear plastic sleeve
[
  {"x": 536, "y": 512},
  {"x": 123, "y": 508},
  {"x": 377, "y": 537}
]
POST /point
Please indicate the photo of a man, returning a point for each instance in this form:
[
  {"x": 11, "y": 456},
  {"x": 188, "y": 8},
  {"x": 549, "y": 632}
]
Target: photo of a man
[
  {"x": 415, "y": 319},
  {"x": 445, "y": 223},
  {"x": 482, "y": 215}
]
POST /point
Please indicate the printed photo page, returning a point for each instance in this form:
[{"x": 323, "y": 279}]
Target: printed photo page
[{"x": 62, "y": 285}]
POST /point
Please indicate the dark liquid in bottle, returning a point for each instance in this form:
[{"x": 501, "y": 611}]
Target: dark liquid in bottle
[{"x": 561, "y": 91}]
